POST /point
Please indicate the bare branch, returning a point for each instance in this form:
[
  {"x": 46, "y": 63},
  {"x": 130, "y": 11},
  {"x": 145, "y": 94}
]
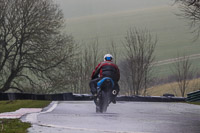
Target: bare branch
[
  {"x": 190, "y": 9},
  {"x": 31, "y": 42},
  {"x": 182, "y": 69},
  {"x": 139, "y": 47}
]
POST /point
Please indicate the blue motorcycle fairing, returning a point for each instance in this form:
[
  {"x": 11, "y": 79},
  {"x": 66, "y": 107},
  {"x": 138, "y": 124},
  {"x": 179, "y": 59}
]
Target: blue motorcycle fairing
[{"x": 102, "y": 81}]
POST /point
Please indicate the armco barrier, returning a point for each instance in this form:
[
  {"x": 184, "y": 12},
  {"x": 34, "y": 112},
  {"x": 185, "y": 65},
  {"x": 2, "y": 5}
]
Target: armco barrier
[
  {"x": 193, "y": 96},
  {"x": 151, "y": 99},
  {"x": 28, "y": 96},
  {"x": 83, "y": 97}
]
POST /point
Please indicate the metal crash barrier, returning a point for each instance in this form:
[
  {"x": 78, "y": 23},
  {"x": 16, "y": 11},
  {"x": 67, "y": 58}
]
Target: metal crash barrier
[
  {"x": 85, "y": 97},
  {"x": 193, "y": 96}
]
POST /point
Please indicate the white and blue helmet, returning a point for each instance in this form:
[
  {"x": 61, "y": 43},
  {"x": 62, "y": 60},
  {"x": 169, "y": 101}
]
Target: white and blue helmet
[{"x": 108, "y": 57}]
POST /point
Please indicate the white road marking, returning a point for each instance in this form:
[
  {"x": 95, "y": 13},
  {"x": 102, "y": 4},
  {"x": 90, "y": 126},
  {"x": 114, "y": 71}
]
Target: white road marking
[
  {"x": 87, "y": 129},
  {"x": 32, "y": 118},
  {"x": 55, "y": 103}
]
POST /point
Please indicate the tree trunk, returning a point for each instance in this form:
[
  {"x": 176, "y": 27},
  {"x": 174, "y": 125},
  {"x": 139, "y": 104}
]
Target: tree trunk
[{"x": 9, "y": 81}]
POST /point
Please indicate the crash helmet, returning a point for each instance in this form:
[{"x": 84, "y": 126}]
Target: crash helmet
[{"x": 108, "y": 57}]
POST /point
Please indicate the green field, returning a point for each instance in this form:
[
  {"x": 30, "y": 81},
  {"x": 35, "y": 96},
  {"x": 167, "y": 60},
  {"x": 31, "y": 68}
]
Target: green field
[
  {"x": 89, "y": 22},
  {"x": 173, "y": 36},
  {"x": 172, "y": 32},
  {"x": 166, "y": 70}
]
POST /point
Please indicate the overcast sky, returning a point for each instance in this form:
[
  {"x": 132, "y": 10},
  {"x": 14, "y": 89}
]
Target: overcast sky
[{"x": 80, "y": 8}]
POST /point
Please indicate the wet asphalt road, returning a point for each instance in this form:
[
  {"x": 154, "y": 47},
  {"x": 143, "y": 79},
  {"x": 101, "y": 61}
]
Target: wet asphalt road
[{"x": 123, "y": 117}]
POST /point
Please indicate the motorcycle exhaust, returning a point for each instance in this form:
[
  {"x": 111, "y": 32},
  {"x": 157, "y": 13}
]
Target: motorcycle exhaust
[{"x": 114, "y": 92}]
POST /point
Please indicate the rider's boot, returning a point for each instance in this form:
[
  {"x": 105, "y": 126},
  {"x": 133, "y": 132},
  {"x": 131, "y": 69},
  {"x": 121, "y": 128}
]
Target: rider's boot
[{"x": 94, "y": 91}]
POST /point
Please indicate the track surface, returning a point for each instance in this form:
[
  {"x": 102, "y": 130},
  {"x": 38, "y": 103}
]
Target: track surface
[{"x": 124, "y": 117}]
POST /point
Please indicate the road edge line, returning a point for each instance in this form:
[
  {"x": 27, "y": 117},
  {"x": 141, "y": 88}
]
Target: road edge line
[{"x": 32, "y": 117}]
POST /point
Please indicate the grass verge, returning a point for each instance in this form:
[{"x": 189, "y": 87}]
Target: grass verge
[
  {"x": 9, "y": 106},
  {"x": 15, "y": 125}
]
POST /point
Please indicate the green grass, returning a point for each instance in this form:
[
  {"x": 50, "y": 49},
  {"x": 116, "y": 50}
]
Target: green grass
[
  {"x": 196, "y": 103},
  {"x": 13, "y": 126},
  {"x": 9, "y": 106}
]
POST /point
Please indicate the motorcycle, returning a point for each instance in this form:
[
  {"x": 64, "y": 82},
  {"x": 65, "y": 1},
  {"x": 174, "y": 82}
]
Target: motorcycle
[{"x": 105, "y": 94}]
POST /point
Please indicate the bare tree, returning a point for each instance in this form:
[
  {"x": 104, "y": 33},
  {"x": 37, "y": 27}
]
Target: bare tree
[
  {"x": 87, "y": 63},
  {"x": 126, "y": 77},
  {"x": 95, "y": 51},
  {"x": 32, "y": 46},
  {"x": 112, "y": 49},
  {"x": 182, "y": 70},
  {"x": 83, "y": 66},
  {"x": 191, "y": 10},
  {"x": 139, "y": 46}
]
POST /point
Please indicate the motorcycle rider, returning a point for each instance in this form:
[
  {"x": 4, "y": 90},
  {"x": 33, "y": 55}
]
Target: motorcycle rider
[{"x": 105, "y": 69}]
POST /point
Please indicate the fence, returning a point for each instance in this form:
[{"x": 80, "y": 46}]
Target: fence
[
  {"x": 193, "y": 96},
  {"x": 27, "y": 96},
  {"x": 83, "y": 97}
]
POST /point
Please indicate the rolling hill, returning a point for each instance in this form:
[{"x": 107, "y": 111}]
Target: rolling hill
[{"x": 109, "y": 21}]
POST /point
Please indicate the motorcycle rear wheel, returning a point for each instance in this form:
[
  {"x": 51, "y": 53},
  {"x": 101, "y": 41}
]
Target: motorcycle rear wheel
[{"x": 103, "y": 103}]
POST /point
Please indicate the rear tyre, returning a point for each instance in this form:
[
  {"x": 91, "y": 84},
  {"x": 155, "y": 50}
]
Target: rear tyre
[
  {"x": 97, "y": 109},
  {"x": 97, "y": 102},
  {"x": 103, "y": 103}
]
